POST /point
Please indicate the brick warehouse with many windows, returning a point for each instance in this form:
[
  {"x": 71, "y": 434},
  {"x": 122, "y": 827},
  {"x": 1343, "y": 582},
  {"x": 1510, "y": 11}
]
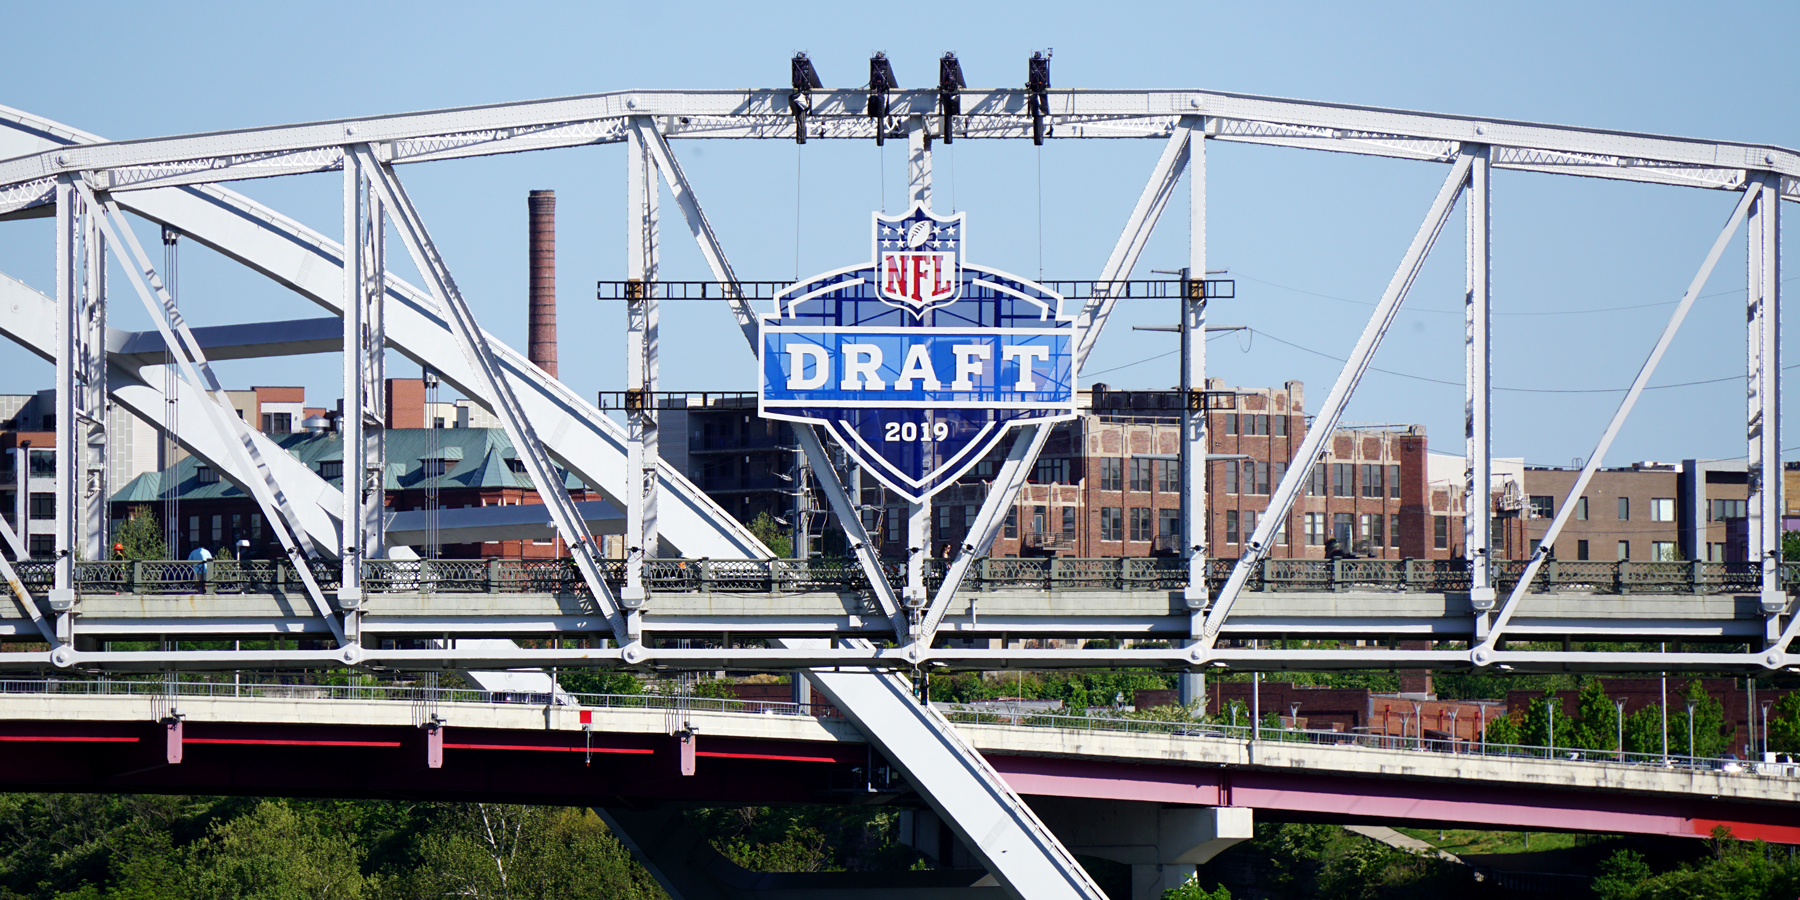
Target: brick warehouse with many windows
[{"x": 1108, "y": 484}]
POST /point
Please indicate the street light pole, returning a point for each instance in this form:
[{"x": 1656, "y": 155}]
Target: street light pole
[
  {"x": 1620, "y": 705},
  {"x": 1551, "y": 704},
  {"x": 1690, "y": 723}
]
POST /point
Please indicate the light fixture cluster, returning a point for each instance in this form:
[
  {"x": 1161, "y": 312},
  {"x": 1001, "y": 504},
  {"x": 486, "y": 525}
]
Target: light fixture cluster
[{"x": 950, "y": 86}]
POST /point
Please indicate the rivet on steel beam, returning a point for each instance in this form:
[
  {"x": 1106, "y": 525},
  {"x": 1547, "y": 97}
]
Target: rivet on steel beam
[
  {"x": 349, "y": 129},
  {"x": 62, "y": 159}
]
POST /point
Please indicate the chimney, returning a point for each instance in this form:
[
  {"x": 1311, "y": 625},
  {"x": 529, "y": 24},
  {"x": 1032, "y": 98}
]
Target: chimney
[{"x": 541, "y": 343}]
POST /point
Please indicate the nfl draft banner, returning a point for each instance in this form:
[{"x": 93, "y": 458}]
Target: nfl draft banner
[{"x": 917, "y": 362}]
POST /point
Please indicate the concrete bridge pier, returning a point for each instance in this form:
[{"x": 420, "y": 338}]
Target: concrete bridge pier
[{"x": 1162, "y": 844}]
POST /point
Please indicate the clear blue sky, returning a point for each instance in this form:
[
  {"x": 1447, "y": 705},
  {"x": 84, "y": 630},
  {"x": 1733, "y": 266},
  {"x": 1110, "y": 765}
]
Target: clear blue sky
[{"x": 1312, "y": 238}]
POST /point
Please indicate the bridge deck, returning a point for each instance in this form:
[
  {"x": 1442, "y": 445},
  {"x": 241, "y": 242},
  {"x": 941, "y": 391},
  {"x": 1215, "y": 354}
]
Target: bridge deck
[
  {"x": 1343, "y": 599},
  {"x": 94, "y": 736}
]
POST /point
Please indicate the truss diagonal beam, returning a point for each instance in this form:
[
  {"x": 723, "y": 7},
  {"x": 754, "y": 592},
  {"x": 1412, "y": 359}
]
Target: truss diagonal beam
[
  {"x": 1332, "y": 411},
  {"x": 199, "y": 372},
  {"x": 1136, "y": 234},
  {"x": 569, "y": 523},
  {"x": 842, "y": 504},
  {"x": 1482, "y": 655}
]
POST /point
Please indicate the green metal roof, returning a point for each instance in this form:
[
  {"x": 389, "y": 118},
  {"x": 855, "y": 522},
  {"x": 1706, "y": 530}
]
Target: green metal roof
[{"x": 473, "y": 458}]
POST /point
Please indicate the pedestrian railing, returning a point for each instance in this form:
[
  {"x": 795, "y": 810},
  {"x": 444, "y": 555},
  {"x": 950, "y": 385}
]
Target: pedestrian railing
[
  {"x": 362, "y": 688},
  {"x": 499, "y": 576}
]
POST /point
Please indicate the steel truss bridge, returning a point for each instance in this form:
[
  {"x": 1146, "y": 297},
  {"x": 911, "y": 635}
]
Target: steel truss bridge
[{"x": 335, "y": 589}]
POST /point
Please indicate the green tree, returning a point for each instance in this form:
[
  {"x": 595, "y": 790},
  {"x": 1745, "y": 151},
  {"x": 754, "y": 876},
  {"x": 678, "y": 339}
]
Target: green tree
[
  {"x": 1597, "y": 720},
  {"x": 490, "y": 851},
  {"x": 142, "y": 535},
  {"x": 1710, "y": 738},
  {"x": 1622, "y": 876},
  {"x": 277, "y": 853},
  {"x": 1504, "y": 730},
  {"x": 772, "y": 535},
  {"x": 1784, "y": 725},
  {"x": 1193, "y": 891},
  {"x": 1544, "y": 721},
  {"x": 1644, "y": 731},
  {"x": 1790, "y": 545}
]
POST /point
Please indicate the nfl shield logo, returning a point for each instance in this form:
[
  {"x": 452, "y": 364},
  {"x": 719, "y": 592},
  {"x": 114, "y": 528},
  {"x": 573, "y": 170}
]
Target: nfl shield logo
[{"x": 918, "y": 259}]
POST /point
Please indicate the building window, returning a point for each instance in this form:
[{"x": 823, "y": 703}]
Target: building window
[
  {"x": 1394, "y": 530},
  {"x": 896, "y": 518},
  {"x": 1624, "y": 550},
  {"x": 1371, "y": 528},
  {"x": 1497, "y": 534},
  {"x": 1051, "y": 471},
  {"x": 1715, "y": 552},
  {"x": 1112, "y": 474},
  {"x": 1624, "y": 511},
  {"x": 1140, "y": 475},
  {"x": 1112, "y": 523},
  {"x": 43, "y": 506},
  {"x": 1231, "y": 478},
  {"x": 1278, "y": 426},
  {"x": 1168, "y": 476},
  {"x": 42, "y": 546},
  {"x": 1543, "y": 506},
  {"x": 1279, "y": 472},
  {"x": 1343, "y": 527},
  {"x": 1315, "y": 529},
  {"x": 1280, "y": 536},
  {"x": 256, "y": 526},
  {"x": 218, "y": 530},
  {"x": 438, "y": 422},
  {"x": 1068, "y": 521},
  {"x": 1440, "y": 532},
  {"x": 431, "y": 468},
  {"x": 1581, "y": 550},
  {"x": 1340, "y": 479},
  {"x": 516, "y": 465},
  {"x": 1371, "y": 480},
  {"x": 206, "y": 475},
  {"x": 1168, "y": 524},
  {"x": 278, "y": 423},
  {"x": 943, "y": 522},
  {"x": 43, "y": 462},
  {"x": 193, "y": 531},
  {"x": 237, "y": 525},
  {"x": 334, "y": 469},
  {"x": 1261, "y": 470},
  {"x": 1231, "y": 423},
  {"x": 1315, "y": 481},
  {"x": 1231, "y": 526},
  {"x": 1662, "y": 551},
  {"x": 1010, "y": 529},
  {"x": 1394, "y": 482},
  {"x": 1581, "y": 510},
  {"x": 1662, "y": 509},
  {"x": 1140, "y": 524},
  {"x": 1721, "y": 510},
  {"x": 1262, "y": 425}
]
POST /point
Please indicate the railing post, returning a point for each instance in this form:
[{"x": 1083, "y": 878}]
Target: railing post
[
  {"x": 137, "y": 576},
  {"x": 1696, "y": 576},
  {"x": 1406, "y": 577},
  {"x": 1550, "y": 573},
  {"x": 1624, "y": 579},
  {"x": 1337, "y": 575},
  {"x": 206, "y": 576}
]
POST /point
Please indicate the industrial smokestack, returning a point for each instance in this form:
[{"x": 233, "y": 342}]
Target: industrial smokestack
[{"x": 541, "y": 344}]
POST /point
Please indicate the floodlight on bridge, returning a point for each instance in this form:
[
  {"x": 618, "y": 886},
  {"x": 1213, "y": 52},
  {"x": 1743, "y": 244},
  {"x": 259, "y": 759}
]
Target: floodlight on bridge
[
  {"x": 805, "y": 80},
  {"x": 950, "y": 82},
  {"x": 881, "y": 81}
]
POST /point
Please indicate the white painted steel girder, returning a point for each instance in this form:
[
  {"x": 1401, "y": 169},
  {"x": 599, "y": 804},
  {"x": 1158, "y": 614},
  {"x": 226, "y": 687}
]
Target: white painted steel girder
[
  {"x": 301, "y": 259},
  {"x": 600, "y": 118}
]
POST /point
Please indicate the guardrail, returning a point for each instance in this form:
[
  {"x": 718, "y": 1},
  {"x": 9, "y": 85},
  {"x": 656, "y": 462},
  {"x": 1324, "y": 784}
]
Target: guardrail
[
  {"x": 355, "y": 689},
  {"x": 498, "y": 576}
]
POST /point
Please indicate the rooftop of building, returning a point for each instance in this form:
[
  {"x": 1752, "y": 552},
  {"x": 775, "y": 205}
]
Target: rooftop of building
[{"x": 473, "y": 458}]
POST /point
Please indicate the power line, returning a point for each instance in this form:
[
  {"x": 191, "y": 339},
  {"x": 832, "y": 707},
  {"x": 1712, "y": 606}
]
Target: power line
[
  {"x": 1654, "y": 387},
  {"x": 1458, "y": 312}
]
